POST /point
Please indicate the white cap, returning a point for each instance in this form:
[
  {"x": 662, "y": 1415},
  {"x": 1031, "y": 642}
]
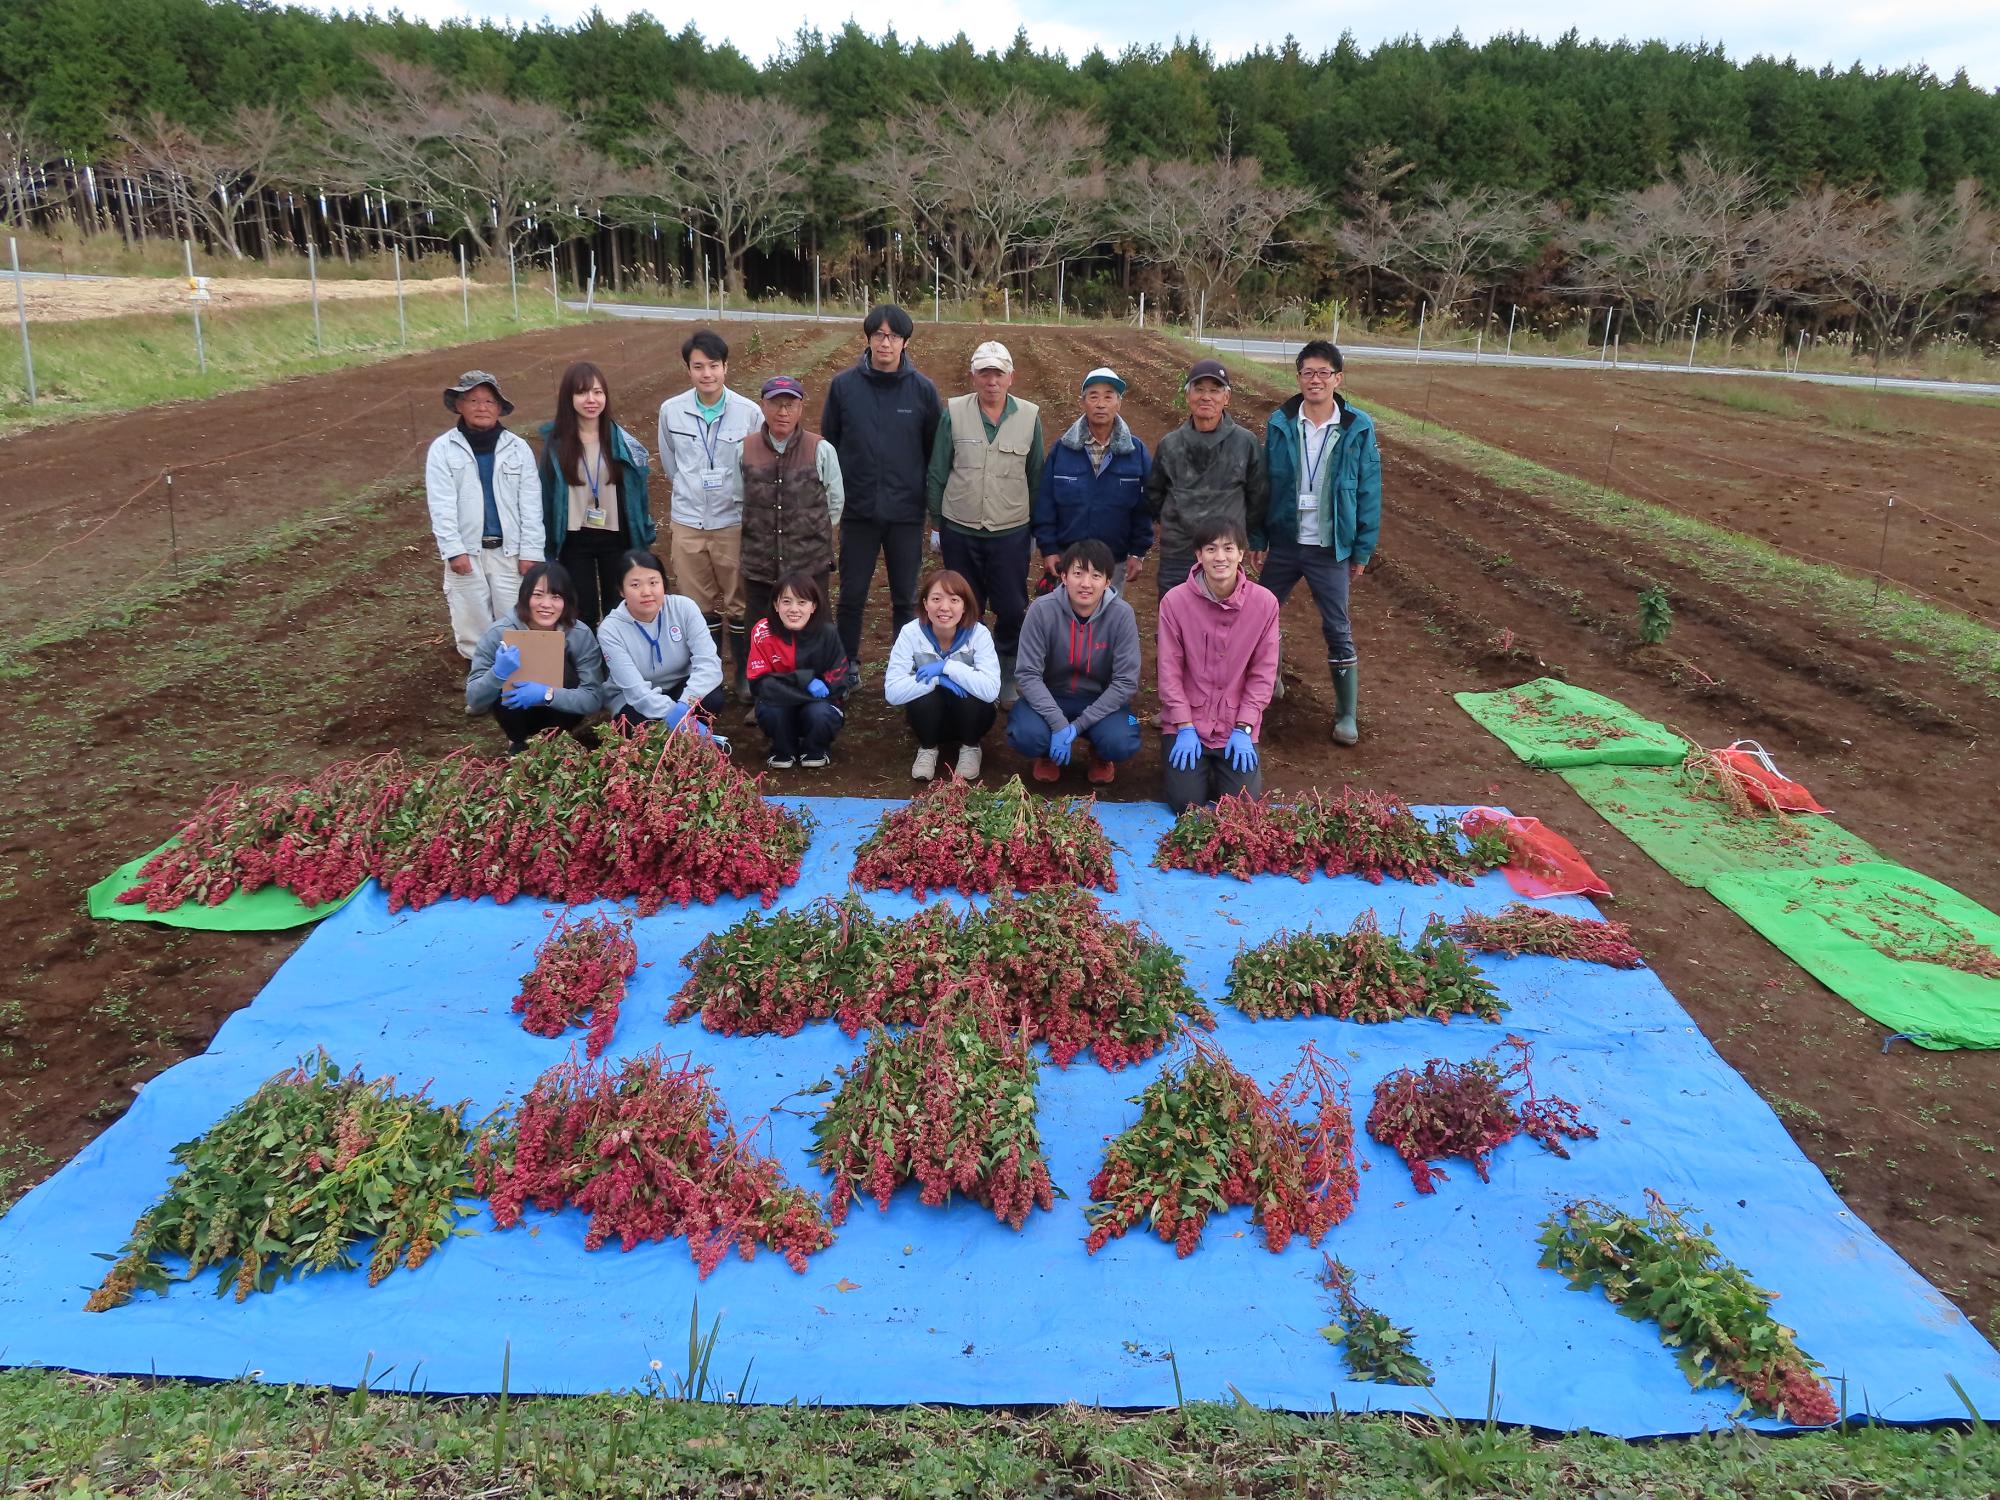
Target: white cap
[
  {"x": 1105, "y": 375},
  {"x": 992, "y": 355}
]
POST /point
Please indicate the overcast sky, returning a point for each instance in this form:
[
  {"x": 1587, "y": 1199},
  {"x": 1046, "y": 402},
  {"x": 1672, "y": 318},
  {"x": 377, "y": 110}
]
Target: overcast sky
[{"x": 1945, "y": 35}]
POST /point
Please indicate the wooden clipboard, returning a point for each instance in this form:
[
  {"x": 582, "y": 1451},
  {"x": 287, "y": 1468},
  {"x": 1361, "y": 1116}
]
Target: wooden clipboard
[{"x": 541, "y": 656}]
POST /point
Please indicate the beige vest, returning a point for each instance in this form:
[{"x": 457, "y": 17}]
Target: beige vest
[{"x": 988, "y": 486}]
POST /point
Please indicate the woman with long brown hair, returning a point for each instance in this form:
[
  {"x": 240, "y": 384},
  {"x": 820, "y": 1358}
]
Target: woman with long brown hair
[{"x": 593, "y": 490}]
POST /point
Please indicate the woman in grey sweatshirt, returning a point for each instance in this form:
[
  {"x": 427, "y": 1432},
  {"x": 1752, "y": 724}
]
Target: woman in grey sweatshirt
[
  {"x": 658, "y": 653},
  {"x": 548, "y": 602}
]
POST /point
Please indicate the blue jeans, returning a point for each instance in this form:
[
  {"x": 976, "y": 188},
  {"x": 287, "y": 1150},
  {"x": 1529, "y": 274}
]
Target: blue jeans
[
  {"x": 1326, "y": 576},
  {"x": 1113, "y": 737},
  {"x": 796, "y": 729}
]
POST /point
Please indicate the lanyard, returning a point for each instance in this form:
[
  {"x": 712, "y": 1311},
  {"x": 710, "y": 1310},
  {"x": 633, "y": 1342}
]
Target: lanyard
[
  {"x": 1313, "y": 464},
  {"x": 594, "y": 476},
  {"x": 653, "y": 640},
  {"x": 710, "y": 434}
]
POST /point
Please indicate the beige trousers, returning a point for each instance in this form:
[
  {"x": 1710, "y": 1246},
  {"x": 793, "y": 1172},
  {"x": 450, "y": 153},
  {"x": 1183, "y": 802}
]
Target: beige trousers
[{"x": 708, "y": 568}]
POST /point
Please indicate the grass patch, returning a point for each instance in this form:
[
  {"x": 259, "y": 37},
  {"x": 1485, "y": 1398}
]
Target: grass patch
[
  {"x": 151, "y": 1437},
  {"x": 116, "y": 364},
  {"x": 1749, "y": 396},
  {"x": 1969, "y": 650}
]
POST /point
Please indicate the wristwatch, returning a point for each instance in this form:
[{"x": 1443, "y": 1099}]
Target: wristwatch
[{"x": 549, "y": 696}]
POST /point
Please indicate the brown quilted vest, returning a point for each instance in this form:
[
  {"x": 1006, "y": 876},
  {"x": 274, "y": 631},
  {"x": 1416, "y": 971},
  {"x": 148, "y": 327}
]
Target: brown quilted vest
[{"x": 785, "y": 526}]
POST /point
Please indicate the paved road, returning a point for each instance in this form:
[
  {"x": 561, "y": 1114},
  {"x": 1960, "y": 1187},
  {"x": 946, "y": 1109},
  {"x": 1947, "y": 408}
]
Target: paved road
[
  {"x": 8, "y": 275},
  {"x": 1278, "y": 349},
  {"x": 1362, "y": 353}
]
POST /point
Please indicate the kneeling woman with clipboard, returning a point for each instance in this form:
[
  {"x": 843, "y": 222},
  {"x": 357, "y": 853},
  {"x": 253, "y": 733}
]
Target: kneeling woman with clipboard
[{"x": 540, "y": 667}]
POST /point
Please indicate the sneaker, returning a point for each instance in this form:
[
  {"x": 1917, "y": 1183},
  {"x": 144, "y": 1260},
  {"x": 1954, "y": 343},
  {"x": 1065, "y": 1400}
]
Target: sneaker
[
  {"x": 1046, "y": 769},
  {"x": 924, "y": 767},
  {"x": 1102, "y": 772},
  {"x": 970, "y": 759},
  {"x": 780, "y": 762},
  {"x": 815, "y": 762}
]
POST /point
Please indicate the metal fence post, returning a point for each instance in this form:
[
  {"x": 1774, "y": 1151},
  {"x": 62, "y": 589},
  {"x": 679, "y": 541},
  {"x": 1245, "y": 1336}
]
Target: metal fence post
[
  {"x": 464, "y": 290},
  {"x": 402, "y": 321},
  {"x": 513, "y": 285},
  {"x": 312, "y": 270},
  {"x": 1512, "y": 309},
  {"x": 1422, "y": 313},
  {"x": 200, "y": 350},
  {"x": 21, "y": 312},
  {"x": 1696, "y": 339},
  {"x": 555, "y": 297},
  {"x": 590, "y": 291}
]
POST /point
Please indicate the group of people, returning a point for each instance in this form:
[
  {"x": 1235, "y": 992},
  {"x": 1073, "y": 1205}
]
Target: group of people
[{"x": 763, "y": 509}]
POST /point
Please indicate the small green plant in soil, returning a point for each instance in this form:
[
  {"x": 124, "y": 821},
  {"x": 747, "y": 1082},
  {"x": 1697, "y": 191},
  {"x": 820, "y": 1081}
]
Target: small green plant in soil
[
  {"x": 949, "y": 1106},
  {"x": 313, "y": 1164},
  {"x": 1208, "y": 1139},
  {"x": 1364, "y": 974},
  {"x": 1470, "y": 1110},
  {"x": 1719, "y": 1325},
  {"x": 1372, "y": 1347},
  {"x": 1656, "y": 615}
]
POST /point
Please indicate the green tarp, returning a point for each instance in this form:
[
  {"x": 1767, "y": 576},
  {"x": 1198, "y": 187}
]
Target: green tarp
[
  {"x": 1861, "y": 931},
  {"x": 268, "y": 910},
  {"x": 1695, "y": 838},
  {"x": 1555, "y": 724}
]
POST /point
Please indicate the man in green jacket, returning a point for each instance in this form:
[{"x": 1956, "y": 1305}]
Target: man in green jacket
[
  {"x": 986, "y": 465},
  {"x": 1326, "y": 510}
]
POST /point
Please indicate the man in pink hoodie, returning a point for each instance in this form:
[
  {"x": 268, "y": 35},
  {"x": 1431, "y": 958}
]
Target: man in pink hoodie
[{"x": 1218, "y": 647}]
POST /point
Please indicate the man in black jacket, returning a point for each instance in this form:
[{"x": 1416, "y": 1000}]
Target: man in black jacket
[{"x": 881, "y": 416}]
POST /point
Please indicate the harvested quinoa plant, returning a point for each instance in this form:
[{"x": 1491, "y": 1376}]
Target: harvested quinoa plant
[
  {"x": 964, "y": 836},
  {"x": 657, "y": 815},
  {"x": 1470, "y": 1110},
  {"x": 949, "y": 1106},
  {"x": 1348, "y": 832},
  {"x": 1364, "y": 974},
  {"x": 645, "y": 1148},
  {"x": 1208, "y": 1139},
  {"x": 291, "y": 1180},
  {"x": 1717, "y": 1322},
  {"x": 1372, "y": 1347},
  {"x": 1075, "y": 978},
  {"x": 580, "y": 969},
  {"x": 1520, "y": 928}
]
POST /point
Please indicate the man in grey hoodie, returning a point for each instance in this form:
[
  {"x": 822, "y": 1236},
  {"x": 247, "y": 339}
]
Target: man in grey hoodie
[
  {"x": 1208, "y": 469},
  {"x": 1078, "y": 670}
]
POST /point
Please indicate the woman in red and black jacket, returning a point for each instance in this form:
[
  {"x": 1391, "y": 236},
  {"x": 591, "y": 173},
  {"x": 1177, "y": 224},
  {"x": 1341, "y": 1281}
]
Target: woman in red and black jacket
[{"x": 800, "y": 674}]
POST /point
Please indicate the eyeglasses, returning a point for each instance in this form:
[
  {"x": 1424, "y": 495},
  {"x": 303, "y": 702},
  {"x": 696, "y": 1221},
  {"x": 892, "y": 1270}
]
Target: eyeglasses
[{"x": 1317, "y": 374}]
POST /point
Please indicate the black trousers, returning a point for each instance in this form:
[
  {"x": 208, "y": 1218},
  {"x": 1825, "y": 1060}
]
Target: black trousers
[
  {"x": 796, "y": 729},
  {"x": 523, "y": 724},
  {"x": 591, "y": 559},
  {"x": 902, "y": 544},
  {"x": 997, "y": 569},
  {"x": 941, "y": 717}
]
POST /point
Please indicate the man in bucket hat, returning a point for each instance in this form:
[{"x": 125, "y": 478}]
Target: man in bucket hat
[
  {"x": 1207, "y": 469},
  {"x": 986, "y": 465},
  {"x": 486, "y": 507}
]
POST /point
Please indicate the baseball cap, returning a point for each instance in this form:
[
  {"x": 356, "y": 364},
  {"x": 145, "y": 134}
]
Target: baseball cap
[
  {"x": 1105, "y": 375},
  {"x": 783, "y": 385},
  {"x": 992, "y": 355},
  {"x": 1207, "y": 369}
]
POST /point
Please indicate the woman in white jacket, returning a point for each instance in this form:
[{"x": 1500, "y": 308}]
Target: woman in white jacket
[
  {"x": 944, "y": 674},
  {"x": 659, "y": 657}
]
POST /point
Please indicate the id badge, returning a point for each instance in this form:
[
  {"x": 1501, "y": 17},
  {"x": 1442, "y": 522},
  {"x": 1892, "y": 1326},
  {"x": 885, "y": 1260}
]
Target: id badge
[
  {"x": 595, "y": 515},
  {"x": 1308, "y": 516},
  {"x": 712, "y": 479}
]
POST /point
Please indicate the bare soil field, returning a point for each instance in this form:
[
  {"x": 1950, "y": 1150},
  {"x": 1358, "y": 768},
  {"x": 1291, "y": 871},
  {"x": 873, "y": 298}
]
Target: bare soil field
[
  {"x": 56, "y": 301},
  {"x": 1807, "y": 468},
  {"x": 331, "y": 642}
]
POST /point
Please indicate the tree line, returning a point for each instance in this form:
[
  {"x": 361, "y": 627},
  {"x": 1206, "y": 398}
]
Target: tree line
[{"x": 1655, "y": 183}]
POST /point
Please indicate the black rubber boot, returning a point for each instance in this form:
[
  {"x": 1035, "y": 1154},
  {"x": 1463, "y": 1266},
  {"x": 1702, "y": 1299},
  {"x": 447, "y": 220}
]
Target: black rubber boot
[
  {"x": 739, "y": 652},
  {"x": 1346, "y": 688}
]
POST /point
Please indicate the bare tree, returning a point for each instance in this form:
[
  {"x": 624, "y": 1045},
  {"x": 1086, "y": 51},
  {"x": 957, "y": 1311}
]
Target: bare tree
[
  {"x": 1653, "y": 251},
  {"x": 492, "y": 167},
  {"x": 995, "y": 192},
  {"x": 207, "y": 178},
  {"x": 1902, "y": 260},
  {"x": 1366, "y": 239},
  {"x": 1447, "y": 244},
  {"x": 1207, "y": 222},
  {"x": 734, "y": 168}
]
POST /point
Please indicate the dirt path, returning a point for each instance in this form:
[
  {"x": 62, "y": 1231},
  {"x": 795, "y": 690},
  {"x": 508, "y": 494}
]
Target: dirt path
[
  {"x": 54, "y": 300},
  {"x": 337, "y": 648}
]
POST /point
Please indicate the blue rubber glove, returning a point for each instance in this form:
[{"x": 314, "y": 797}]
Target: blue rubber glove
[
  {"x": 1185, "y": 750},
  {"x": 930, "y": 671},
  {"x": 674, "y": 716},
  {"x": 507, "y": 660},
  {"x": 953, "y": 684},
  {"x": 1241, "y": 751},
  {"x": 1061, "y": 743},
  {"x": 818, "y": 688},
  {"x": 526, "y": 695}
]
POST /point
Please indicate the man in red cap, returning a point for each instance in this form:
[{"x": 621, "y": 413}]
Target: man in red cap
[{"x": 1208, "y": 469}]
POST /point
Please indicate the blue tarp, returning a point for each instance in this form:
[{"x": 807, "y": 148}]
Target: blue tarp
[{"x": 947, "y": 1305}]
